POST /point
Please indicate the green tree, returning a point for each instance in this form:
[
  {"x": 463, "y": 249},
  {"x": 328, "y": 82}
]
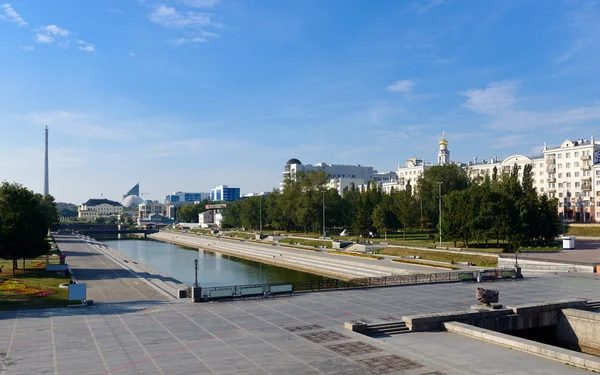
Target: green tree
[
  {"x": 453, "y": 177},
  {"x": 189, "y": 212},
  {"x": 405, "y": 208},
  {"x": 23, "y": 224},
  {"x": 383, "y": 215}
]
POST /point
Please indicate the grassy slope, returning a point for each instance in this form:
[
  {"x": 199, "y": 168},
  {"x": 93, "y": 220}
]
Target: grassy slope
[{"x": 439, "y": 256}]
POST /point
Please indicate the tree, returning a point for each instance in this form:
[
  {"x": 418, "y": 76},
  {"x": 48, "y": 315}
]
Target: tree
[
  {"x": 189, "y": 212},
  {"x": 405, "y": 208},
  {"x": 453, "y": 177},
  {"x": 383, "y": 216},
  {"x": 23, "y": 224}
]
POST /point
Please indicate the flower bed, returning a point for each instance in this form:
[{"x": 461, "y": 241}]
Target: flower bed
[
  {"x": 356, "y": 254},
  {"x": 17, "y": 287}
]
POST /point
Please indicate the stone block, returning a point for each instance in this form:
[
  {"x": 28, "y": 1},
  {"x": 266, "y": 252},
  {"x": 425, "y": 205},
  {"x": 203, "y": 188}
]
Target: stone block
[
  {"x": 592, "y": 364},
  {"x": 356, "y": 327}
]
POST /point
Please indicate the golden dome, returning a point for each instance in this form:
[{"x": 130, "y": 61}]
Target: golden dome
[{"x": 443, "y": 142}]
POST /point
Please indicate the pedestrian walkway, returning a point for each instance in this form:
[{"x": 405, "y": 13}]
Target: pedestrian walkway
[{"x": 106, "y": 280}]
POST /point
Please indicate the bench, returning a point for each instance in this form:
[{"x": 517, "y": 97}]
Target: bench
[
  {"x": 466, "y": 276},
  {"x": 256, "y": 291},
  {"x": 281, "y": 289},
  {"x": 220, "y": 294}
]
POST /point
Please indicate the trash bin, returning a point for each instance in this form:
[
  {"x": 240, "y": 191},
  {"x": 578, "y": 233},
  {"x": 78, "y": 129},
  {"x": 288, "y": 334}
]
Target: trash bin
[{"x": 568, "y": 242}]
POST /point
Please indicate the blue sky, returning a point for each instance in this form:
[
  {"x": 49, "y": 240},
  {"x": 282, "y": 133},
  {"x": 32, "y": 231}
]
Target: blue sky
[{"x": 190, "y": 94}]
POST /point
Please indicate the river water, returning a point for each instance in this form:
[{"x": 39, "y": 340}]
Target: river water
[{"x": 214, "y": 269}]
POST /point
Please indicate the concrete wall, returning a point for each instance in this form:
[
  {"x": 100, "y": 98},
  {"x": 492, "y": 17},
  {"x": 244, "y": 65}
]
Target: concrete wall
[
  {"x": 580, "y": 328},
  {"x": 532, "y": 265},
  {"x": 500, "y": 320}
]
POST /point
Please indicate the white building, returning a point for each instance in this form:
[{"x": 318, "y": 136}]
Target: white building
[
  {"x": 94, "y": 208},
  {"x": 148, "y": 208},
  {"x": 566, "y": 172}
]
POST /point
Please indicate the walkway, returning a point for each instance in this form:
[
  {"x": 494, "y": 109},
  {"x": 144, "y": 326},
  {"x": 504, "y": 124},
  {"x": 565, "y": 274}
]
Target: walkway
[
  {"x": 339, "y": 266},
  {"x": 106, "y": 280},
  {"x": 587, "y": 250},
  {"x": 302, "y": 334}
]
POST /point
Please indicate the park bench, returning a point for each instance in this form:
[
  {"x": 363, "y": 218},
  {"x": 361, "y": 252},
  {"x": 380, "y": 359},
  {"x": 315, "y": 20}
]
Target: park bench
[
  {"x": 488, "y": 275},
  {"x": 220, "y": 294},
  {"x": 256, "y": 291},
  {"x": 281, "y": 289},
  {"x": 466, "y": 276}
]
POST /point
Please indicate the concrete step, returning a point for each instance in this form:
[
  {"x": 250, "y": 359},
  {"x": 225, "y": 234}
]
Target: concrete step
[
  {"x": 593, "y": 305},
  {"x": 387, "y": 329}
]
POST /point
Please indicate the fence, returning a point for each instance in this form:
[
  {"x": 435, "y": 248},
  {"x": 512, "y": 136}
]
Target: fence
[{"x": 332, "y": 284}]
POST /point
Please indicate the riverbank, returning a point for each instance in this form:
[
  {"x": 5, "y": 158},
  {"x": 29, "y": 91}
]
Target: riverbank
[{"x": 316, "y": 262}]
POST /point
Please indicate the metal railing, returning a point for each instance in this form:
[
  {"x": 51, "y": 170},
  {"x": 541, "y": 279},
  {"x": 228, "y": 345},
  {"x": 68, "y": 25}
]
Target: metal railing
[{"x": 333, "y": 284}]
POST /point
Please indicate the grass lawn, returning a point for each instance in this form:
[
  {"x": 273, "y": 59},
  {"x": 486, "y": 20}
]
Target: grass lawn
[
  {"x": 247, "y": 236},
  {"x": 313, "y": 243},
  {"x": 34, "y": 280},
  {"x": 587, "y": 231},
  {"x": 440, "y": 256}
]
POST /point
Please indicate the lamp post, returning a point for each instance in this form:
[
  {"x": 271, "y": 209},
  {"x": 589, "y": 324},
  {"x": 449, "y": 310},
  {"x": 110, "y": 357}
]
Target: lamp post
[
  {"x": 440, "y": 199},
  {"x": 260, "y": 214},
  {"x": 324, "y": 233},
  {"x": 196, "y": 269}
]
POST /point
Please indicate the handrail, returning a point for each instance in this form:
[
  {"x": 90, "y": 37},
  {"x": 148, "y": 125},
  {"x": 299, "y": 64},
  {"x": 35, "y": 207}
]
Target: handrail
[{"x": 413, "y": 279}]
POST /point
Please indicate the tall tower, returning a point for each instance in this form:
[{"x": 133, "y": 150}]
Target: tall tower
[
  {"x": 443, "y": 153},
  {"x": 46, "y": 187}
]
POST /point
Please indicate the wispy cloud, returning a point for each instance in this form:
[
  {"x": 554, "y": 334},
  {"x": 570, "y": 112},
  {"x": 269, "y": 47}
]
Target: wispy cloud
[
  {"x": 584, "y": 24},
  {"x": 172, "y": 18},
  {"x": 424, "y": 6},
  {"x": 498, "y": 101},
  {"x": 194, "y": 23},
  {"x": 496, "y": 98},
  {"x": 85, "y": 46},
  {"x": 401, "y": 86},
  {"x": 200, "y": 3},
  {"x": 50, "y": 34},
  {"x": 80, "y": 125},
  {"x": 27, "y": 48},
  {"x": 53, "y": 34},
  {"x": 8, "y": 14},
  {"x": 205, "y": 36},
  {"x": 132, "y": 54}
]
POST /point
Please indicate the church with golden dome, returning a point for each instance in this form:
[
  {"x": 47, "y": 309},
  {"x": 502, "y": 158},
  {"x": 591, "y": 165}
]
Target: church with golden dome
[{"x": 443, "y": 153}]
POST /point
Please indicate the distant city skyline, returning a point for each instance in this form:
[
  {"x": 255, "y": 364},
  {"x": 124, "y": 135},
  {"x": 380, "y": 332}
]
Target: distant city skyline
[{"x": 187, "y": 95}]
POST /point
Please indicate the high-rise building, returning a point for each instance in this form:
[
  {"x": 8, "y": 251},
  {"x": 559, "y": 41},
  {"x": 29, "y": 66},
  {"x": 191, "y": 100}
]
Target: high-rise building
[
  {"x": 186, "y": 197},
  {"x": 223, "y": 193}
]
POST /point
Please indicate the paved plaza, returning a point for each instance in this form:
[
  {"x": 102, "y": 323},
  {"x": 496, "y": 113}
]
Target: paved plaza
[{"x": 302, "y": 334}]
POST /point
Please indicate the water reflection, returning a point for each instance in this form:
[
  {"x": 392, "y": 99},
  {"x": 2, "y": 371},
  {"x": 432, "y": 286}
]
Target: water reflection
[{"x": 214, "y": 269}]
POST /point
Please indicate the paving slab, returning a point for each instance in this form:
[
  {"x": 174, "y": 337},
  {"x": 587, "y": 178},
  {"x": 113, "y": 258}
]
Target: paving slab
[
  {"x": 268, "y": 336},
  {"x": 106, "y": 280}
]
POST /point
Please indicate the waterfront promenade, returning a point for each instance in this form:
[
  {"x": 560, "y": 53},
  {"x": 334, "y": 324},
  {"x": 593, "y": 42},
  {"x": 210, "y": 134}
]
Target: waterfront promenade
[
  {"x": 337, "y": 266},
  {"x": 302, "y": 334},
  {"x": 107, "y": 279}
]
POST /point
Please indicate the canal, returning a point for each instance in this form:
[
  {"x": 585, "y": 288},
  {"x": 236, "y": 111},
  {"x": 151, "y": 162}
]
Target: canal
[{"x": 214, "y": 269}]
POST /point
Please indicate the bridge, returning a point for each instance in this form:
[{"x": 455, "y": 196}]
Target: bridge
[{"x": 90, "y": 230}]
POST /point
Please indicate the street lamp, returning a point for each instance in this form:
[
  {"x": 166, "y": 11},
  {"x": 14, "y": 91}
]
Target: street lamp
[
  {"x": 260, "y": 214},
  {"x": 196, "y": 269},
  {"x": 440, "y": 199},
  {"x": 324, "y": 233}
]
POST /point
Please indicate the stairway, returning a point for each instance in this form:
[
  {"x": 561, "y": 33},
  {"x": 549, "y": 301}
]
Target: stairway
[
  {"x": 387, "y": 329},
  {"x": 593, "y": 305}
]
